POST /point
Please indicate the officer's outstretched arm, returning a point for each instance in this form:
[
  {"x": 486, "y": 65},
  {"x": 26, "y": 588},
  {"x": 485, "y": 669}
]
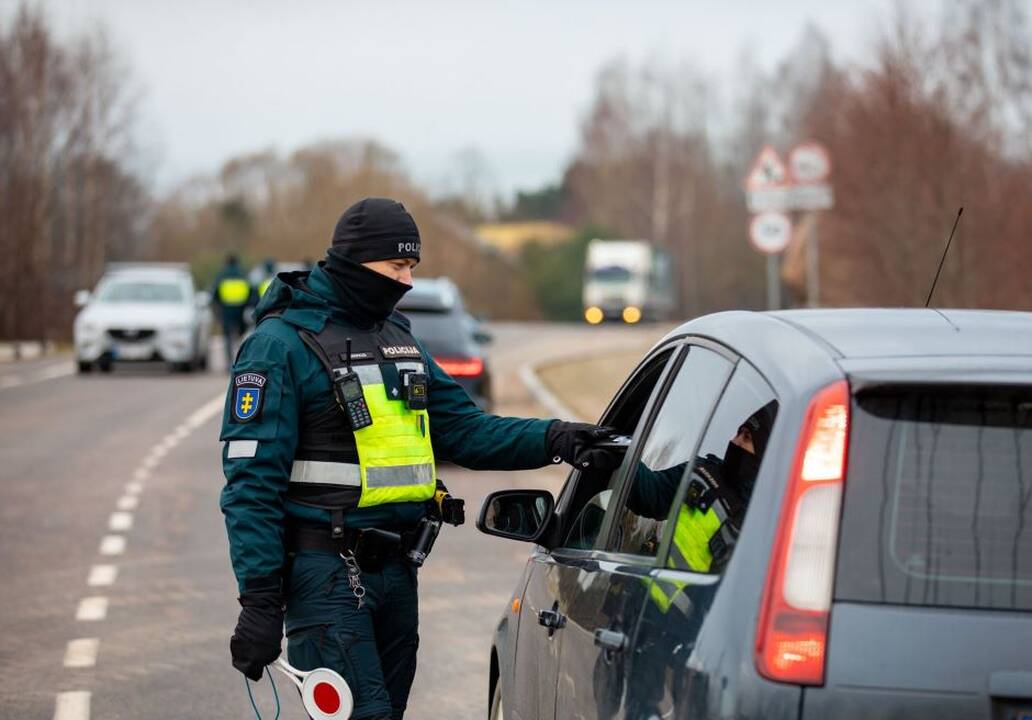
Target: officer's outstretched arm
[
  {"x": 464, "y": 434},
  {"x": 259, "y": 430}
]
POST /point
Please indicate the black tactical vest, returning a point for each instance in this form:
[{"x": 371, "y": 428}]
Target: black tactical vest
[{"x": 324, "y": 435}]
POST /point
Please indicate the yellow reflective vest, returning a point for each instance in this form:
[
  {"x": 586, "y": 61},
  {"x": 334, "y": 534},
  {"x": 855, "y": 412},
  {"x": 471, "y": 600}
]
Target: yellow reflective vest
[
  {"x": 388, "y": 461},
  {"x": 233, "y": 291}
]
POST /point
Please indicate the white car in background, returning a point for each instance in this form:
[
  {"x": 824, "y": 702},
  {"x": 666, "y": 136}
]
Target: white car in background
[{"x": 143, "y": 313}]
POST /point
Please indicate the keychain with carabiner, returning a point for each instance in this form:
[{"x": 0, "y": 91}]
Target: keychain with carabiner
[{"x": 354, "y": 576}]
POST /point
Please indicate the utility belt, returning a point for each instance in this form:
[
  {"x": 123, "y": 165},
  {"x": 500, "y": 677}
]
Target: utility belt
[{"x": 371, "y": 548}]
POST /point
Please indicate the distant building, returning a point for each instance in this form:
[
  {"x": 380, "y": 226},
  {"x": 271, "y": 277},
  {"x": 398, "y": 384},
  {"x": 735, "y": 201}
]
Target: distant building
[{"x": 509, "y": 237}]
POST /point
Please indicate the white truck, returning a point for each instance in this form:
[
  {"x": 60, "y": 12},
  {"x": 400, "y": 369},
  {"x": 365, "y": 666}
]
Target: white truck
[{"x": 628, "y": 280}]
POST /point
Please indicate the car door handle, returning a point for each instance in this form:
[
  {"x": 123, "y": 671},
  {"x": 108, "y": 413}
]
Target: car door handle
[
  {"x": 552, "y": 619},
  {"x": 612, "y": 641}
]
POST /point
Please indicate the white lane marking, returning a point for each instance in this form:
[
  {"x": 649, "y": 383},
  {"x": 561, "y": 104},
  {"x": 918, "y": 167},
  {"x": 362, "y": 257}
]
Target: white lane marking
[
  {"x": 49, "y": 373},
  {"x": 555, "y": 406},
  {"x": 102, "y": 575},
  {"x": 92, "y": 609},
  {"x": 54, "y": 372},
  {"x": 205, "y": 412},
  {"x": 120, "y": 521},
  {"x": 72, "y": 706},
  {"x": 112, "y": 545},
  {"x": 81, "y": 653}
]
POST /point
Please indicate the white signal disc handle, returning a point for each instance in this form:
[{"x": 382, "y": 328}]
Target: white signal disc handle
[{"x": 325, "y": 694}]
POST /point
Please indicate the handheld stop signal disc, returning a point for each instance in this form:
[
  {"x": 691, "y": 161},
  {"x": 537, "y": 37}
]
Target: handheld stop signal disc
[{"x": 325, "y": 694}]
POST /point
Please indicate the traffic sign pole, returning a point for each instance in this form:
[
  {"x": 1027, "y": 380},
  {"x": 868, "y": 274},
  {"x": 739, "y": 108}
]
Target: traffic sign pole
[
  {"x": 773, "y": 189},
  {"x": 773, "y": 281},
  {"x": 813, "y": 266}
]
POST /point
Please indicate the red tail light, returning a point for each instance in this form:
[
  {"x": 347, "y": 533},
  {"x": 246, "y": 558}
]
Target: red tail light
[
  {"x": 792, "y": 634},
  {"x": 461, "y": 367}
]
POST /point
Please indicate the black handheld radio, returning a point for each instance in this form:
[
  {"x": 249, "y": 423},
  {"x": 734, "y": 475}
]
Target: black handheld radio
[{"x": 348, "y": 389}]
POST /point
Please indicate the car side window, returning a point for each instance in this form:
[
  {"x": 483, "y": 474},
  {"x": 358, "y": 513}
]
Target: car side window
[
  {"x": 590, "y": 491},
  {"x": 668, "y": 450},
  {"x": 714, "y": 496}
]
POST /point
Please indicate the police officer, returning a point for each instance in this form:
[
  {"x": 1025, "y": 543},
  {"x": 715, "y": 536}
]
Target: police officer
[
  {"x": 231, "y": 293},
  {"x": 335, "y": 418},
  {"x": 268, "y": 273}
]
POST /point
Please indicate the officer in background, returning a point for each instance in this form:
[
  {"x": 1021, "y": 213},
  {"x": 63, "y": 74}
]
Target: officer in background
[
  {"x": 335, "y": 419},
  {"x": 231, "y": 293},
  {"x": 268, "y": 273}
]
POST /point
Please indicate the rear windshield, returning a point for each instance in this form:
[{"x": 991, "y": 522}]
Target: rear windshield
[{"x": 937, "y": 507}]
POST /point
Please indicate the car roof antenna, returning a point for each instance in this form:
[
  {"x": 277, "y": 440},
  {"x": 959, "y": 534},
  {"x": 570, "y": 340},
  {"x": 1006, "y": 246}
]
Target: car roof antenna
[{"x": 943, "y": 259}]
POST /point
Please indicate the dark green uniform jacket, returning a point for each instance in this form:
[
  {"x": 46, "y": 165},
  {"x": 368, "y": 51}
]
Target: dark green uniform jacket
[{"x": 296, "y": 384}]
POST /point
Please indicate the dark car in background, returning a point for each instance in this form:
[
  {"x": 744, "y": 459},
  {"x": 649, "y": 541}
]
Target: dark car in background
[
  {"x": 884, "y": 562},
  {"x": 451, "y": 334}
]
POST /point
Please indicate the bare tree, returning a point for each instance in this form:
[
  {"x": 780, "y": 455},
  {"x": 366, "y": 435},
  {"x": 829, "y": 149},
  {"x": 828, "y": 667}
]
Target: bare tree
[
  {"x": 262, "y": 205},
  {"x": 66, "y": 194}
]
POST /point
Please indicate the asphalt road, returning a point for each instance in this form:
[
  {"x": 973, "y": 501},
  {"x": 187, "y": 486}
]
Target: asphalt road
[{"x": 116, "y": 594}]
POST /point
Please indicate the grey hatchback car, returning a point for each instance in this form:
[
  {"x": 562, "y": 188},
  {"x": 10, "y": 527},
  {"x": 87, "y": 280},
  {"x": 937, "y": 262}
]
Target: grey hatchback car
[{"x": 883, "y": 563}]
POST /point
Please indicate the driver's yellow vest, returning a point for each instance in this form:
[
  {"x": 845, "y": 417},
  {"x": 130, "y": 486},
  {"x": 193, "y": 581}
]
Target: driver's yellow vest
[{"x": 705, "y": 524}]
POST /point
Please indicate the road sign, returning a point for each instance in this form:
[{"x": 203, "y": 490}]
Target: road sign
[
  {"x": 797, "y": 197},
  {"x": 809, "y": 164},
  {"x": 775, "y": 199},
  {"x": 809, "y": 168},
  {"x": 811, "y": 197},
  {"x": 770, "y": 232},
  {"x": 768, "y": 171}
]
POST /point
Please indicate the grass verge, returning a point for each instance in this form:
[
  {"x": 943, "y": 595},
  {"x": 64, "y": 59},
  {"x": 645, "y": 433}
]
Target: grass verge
[{"x": 586, "y": 385}]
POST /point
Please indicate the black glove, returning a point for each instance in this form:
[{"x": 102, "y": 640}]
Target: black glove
[
  {"x": 576, "y": 443},
  {"x": 259, "y": 632}
]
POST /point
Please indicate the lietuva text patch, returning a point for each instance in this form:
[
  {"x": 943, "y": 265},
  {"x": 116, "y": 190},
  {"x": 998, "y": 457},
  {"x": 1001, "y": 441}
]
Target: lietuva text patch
[
  {"x": 399, "y": 351},
  {"x": 248, "y": 393}
]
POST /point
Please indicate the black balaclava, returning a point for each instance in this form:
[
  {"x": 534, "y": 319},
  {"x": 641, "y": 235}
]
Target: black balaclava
[
  {"x": 371, "y": 229},
  {"x": 741, "y": 465}
]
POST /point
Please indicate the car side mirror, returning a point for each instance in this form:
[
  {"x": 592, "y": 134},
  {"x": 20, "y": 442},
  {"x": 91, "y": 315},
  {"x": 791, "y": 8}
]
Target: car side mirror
[
  {"x": 203, "y": 299},
  {"x": 482, "y": 337},
  {"x": 81, "y": 298},
  {"x": 516, "y": 514}
]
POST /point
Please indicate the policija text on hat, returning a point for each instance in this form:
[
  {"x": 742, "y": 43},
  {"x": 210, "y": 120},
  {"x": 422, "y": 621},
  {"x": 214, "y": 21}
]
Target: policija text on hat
[{"x": 334, "y": 419}]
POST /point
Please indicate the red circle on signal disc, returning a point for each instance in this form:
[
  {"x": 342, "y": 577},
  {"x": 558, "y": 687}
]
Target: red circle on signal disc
[{"x": 326, "y": 698}]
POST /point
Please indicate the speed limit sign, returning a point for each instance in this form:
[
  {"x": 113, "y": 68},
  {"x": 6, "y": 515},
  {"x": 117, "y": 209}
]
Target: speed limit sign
[{"x": 770, "y": 232}]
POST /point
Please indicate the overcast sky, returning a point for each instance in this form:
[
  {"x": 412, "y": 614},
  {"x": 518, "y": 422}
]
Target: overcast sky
[{"x": 427, "y": 78}]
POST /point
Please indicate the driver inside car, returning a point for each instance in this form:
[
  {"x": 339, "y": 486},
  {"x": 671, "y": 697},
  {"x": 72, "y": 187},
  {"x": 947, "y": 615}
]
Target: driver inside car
[{"x": 710, "y": 518}]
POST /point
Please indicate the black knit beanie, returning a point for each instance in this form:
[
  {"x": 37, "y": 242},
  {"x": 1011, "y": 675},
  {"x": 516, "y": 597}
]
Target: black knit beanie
[{"x": 376, "y": 229}]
